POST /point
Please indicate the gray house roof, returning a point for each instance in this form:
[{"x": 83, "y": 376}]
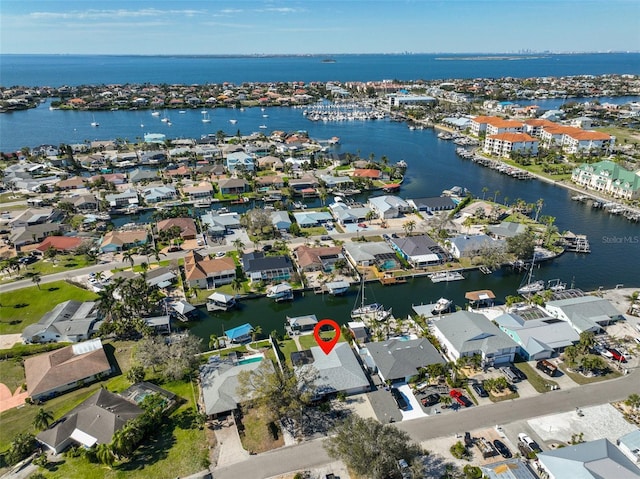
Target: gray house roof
[
  {"x": 92, "y": 422},
  {"x": 367, "y": 251},
  {"x": 397, "y": 359},
  {"x": 219, "y": 379},
  {"x": 537, "y": 334},
  {"x": 586, "y": 312},
  {"x": 71, "y": 318},
  {"x": 598, "y": 459},
  {"x": 472, "y": 333},
  {"x": 337, "y": 371},
  {"x": 509, "y": 469}
]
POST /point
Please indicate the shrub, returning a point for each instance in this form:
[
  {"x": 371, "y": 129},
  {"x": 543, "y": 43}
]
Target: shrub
[{"x": 459, "y": 451}]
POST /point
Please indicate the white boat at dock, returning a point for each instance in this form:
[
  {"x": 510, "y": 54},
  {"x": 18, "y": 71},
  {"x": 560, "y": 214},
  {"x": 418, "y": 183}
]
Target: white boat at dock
[
  {"x": 531, "y": 287},
  {"x": 446, "y": 276},
  {"x": 220, "y": 302},
  {"x": 337, "y": 288},
  {"x": 280, "y": 292},
  {"x": 443, "y": 305},
  {"x": 374, "y": 311}
]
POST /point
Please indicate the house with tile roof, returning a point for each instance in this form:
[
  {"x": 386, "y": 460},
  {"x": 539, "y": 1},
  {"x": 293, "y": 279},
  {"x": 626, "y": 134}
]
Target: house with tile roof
[
  {"x": 321, "y": 258},
  {"x": 201, "y": 191},
  {"x": 122, "y": 240},
  {"x": 399, "y": 360},
  {"x": 85, "y": 203},
  {"x": 73, "y": 183},
  {"x": 187, "y": 227},
  {"x": 201, "y": 271},
  {"x": 55, "y": 372},
  {"x": 505, "y": 144},
  {"x": 464, "y": 334},
  {"x": 91, "y": 423},
  {"x": 338, "y": 371},
  {"x": 60, "y": 243}
]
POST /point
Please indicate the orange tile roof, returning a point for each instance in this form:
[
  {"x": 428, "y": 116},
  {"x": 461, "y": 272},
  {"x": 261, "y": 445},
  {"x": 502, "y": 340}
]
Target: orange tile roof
[
  {"x": 307, "y": 256},
  {"x": 500, "y": 123},
  {"x": 367, "y": 173},
  {"x": 60, "y": 243},
  {"x": 197, "y": 266},
  {"x": 539, "y": 122},
  {"x": 589, "y": 135},
  {"x": 485, "y": 119},
  {"x": 513, "y": 137}
]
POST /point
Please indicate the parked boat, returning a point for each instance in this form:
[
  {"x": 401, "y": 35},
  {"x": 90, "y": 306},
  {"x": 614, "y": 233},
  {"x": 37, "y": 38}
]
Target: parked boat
[
  {"x": 555, "y": 285},
  {"x": 233, "y": 122},
  {"x": 263, "y": 127},
  {"x": 531, "y": 286},
  {"x": 374, "y": 311},
  {"x": 443, "y": 305},
  {"x": 205, "y": 118},
  {"x": 280, "y": 292},
  {"x": 94, "y": 122},
  {"x": 220, "y": 302},
  {"x": 446, "y": 276}
]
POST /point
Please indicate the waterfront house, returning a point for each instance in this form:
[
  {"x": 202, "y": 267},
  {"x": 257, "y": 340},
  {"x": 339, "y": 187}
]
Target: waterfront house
[
  {"x": 372, "y": 254},
  {"x": 73, "y": 183},
  {"x": 114, "y": 178},
  {"x": 85, "y": 203},
  {"x": 608, "y": 177},
  {"x": 259, "y": 267},
  {"x": 318, "y": 259},
  {"x": 432, "y": 204},
  {"x": 154, "y": 194},
  {"x": 398, "y": 359},
  {"x": 588, "y": 460},
  {"x": 24, "y": 235},
  {"x": 338, "y": 372},
  {"x": 201, "y": 271},
  {"x": 55, "y": 372},
  {"x": 129, "y": 197},
  {"x": 239, "y": 160},
  {"x": 233, "y": 186},
  {"x": 345, "y": 214},
  {"x": 280, "y": 220},
  {"x": 464, "y": 334},
  {"x": 506, "y": 229},
  {"x": 63, "y": 244},
  {"x": 34, "y": 216},
  {"x": 368, "y": 173},
  {"x": 202, "y": 191},
  {"x": 420, "y": 250},
  {"x": 307, "y": 182},
  {"x": 387, "y": 207},
  {"x": 302, "y": 323},
  {"x": 219, "y": 383},
  {"x": 187, "y": 227},
  {"x": 310, "y": 219},
  {"x": 505, "y": 144},
  {"x": 584, "y": 313},
  {"x": 67, "y": 322},
  {"x": 337, "y": 182},
  {"x": 140, "y": 174},
  {"x": 270, "y": 163},
  {"x": 181, "y": 171},
  {"x": 115, "y": 241},
  {"x": 93, "y": 422},
  {"x": 266, "y": 183},
  {"x": 217, "y": 224},
  {"x": 465, "y": 246},
  {"x": 162, "y": 277}
]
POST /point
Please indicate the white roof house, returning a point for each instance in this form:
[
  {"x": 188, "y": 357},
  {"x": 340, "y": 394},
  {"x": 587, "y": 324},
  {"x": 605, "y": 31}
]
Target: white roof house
[
  {"x": 389, "y": 206},
  {"x": 584, "y": 313},
  {"x": 465, "y": 333}
]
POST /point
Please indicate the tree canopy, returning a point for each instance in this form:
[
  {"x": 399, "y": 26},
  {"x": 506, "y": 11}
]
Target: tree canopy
[{"x": 372, "y": 449}]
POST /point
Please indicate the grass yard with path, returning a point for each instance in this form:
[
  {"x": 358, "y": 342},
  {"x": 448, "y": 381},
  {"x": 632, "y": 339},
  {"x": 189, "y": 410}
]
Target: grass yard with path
[
  {"x": 308, "y": 340},
  {"x": 259, "y": 435},
  {"x": 580, "y": 379},
  {"x": 26, "y": 306},
  {"x": 12, "y": 373},
  {"x": 539, "y": 383}
]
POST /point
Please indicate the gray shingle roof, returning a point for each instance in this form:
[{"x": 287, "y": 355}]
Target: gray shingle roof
[
  {"x": 396, "y": 359},
  {"x": 339, "y": 370}
]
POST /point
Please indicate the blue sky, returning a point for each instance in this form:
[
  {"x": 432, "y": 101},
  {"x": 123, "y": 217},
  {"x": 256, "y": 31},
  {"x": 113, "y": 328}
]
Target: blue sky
[{"x": 316, "y": 26}]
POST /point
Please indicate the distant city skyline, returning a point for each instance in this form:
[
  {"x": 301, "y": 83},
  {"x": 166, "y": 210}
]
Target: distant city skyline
[{"x": 281, "y": 27}]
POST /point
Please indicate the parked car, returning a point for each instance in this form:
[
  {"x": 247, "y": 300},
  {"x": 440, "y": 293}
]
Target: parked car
[
  {"x": 267, "y": 247},
  {"x": 400, "y": 400},
  {"x": 521, "y": 376},
  {"x": 617, "y": 355},
  {"x": 430, "y": 400},
  {"x": 362, "y": 225},
  {"x": 480, "y": 390},
  {"x": 509, "y": 374},
  {"x": 468, "y": 440},
  {"x": 530, "y": 443},
  {"x": 606, "y": 353},
  {"x": 220, "y": 254},
  {"x": 325, "y": 238},
  {"x": 546, "y": 367},
  {"x": 460, "y": 398},
  {"x": 502, "y": 448}
]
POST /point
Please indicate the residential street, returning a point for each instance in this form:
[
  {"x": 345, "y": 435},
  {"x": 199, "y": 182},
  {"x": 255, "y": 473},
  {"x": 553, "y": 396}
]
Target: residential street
[{"x": 312, "y": 454}]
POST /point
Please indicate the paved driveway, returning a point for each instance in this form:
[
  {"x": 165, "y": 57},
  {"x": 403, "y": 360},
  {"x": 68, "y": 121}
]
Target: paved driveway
[
  {"x": 384, "y": 406},
  {"x": 415, "y": 409}
]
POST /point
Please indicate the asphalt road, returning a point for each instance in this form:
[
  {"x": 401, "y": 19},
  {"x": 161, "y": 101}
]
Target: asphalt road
[{"x": 310, "y": 455}]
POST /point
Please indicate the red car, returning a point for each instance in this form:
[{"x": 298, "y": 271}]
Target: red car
[
  {"x": 617, "y": 355},
  {"x": 361, "y": 225}
]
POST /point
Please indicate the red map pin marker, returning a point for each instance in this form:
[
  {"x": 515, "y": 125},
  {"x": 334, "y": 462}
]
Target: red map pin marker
[{"x": 326, "y": 346}]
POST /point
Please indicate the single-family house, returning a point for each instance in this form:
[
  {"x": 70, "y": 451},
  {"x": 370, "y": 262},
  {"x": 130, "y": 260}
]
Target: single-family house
[
  {"x": 345, "y": 214},
  {"x": 35, "y": 216},
  {"x": 73, "y": 183},
  {"x": 58, "y": 371},
  {"x": 233, "y": 186},
  {"x": 337, "y": 182},
  {"x": 629, "y": 444},
  {"x": 468, "y": 246},
  {"x": 115, "y": 241},
  {"x": 321, "y": 258},
  {"x": 141, "y": 174},
  {"x": 584, "y": 313},
  {"x": 309, "y": 219},
  {"x": 387, "y": 207},
  {"x": 259, "y": 267},
  {"x": 201, "y": 271},
  {"x": 129, "y": 197},
  {"x": 432, "y": 204},
  {"x": 93, "y": 422},
  {"x": 202, "y": 191},
  {"x": 68, "y": 322},
  {"x": 85, "y": 203},
  {"x": 367, "y": 173},
  {"x": 399, "y": 360},
  {"x": 464, "y": 333},
  {"x": 420, "y": 250},
  {"x": 270, "y": 163},
  {"x": 60, "y": 243},
  {"x": 307, "y": 182},
  {"x": 538, "y": 338},
  {"x": 508, "y": 469},
  {"x": 266, "y": 183},
  {"x": 154, "y": 194},
  {"x": 376, "y": 254},
  {"x": 338, "y": 371},
  {"x": 24, "y": 235},
  {"x": 302, "y": 323},
  {"x": 239, "y": 160},
  {"x": 187, "y": 227},
  {"x": 181, "y": 171},
  {"x": 216, "y": 224},
  {"x": 506, "y": 229},
  {"x": 280, "y": 220}
]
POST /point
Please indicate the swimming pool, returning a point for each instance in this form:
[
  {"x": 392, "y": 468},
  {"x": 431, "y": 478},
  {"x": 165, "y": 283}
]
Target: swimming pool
[{"x": 251, "y": 359}]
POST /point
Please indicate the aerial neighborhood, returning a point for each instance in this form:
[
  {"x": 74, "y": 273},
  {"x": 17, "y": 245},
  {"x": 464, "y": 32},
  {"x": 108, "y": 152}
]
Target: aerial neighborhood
[{"x": 150, "y": 290}]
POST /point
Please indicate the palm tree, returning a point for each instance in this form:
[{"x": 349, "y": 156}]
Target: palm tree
[
  {"x": 36, "y": 278},
  {"x": 214, "y": 341},
  {"x": 495, "y": 196},
  {"x": 633, "y": 401},
  {"x": 128, "y": 256},
  {"x": 105, "y": 455},
  {"x": 409, "y": 226},
  {"x": 42, "y": 419},
  {"x": 255, "y": 332},
  {"x": 484, "y": 192},
  {"x": 236, "y": 284},
  {"x": 239, "y": 245}
]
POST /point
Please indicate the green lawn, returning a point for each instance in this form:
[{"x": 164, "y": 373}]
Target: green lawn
[
  {"x": 12, "y": 374},
  {"x": 623, "y": 135},
  {"x": 26, "y": 306},
  {"x": 259, "y": 435},
  {"x": 314, "y": 231},
  {"x": 286, "y": 346},
  {"x": 540, "y": 384},
  {"x": 308, "y": 340},
  {"x": 59, "y": 264},
  {"x": 580, "y": 379}
]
